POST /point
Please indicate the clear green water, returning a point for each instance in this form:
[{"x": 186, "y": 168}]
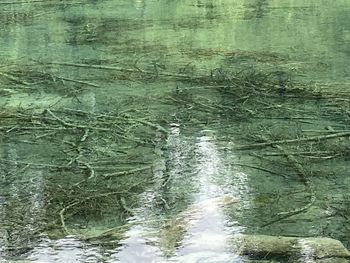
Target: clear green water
[{"x": 175, "y": 211}]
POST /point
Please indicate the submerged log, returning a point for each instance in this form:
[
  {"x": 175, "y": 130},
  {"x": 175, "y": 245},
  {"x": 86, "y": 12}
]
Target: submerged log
[{"x": 317, "y": 249}]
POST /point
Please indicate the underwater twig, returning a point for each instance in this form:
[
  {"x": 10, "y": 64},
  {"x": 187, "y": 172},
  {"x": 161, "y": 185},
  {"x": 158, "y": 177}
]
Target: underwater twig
[
  {"x": 305, "y": 179},
  {"x": 62, "y": 218},
  {"x": 137, "y": 70},
  {"x": 283, "y": 215},
  {"x": 40, "y": 165},
  {"x": 295, "y": 153},
  {"x": 283, "y": 118},
  {"x": 259, "y": 168},
  {"x": 85, "y": 136},
  {"x": 311, "y": 155},
  {"x": 78, "y": 81},
  {"x": 290, "y": 141},
  {"x": 64, "y": 209},
  {"x": 325, "y": 131},
  {"x": 75, "y": 125},
  {"x": 22, "y": 2},
  {"x": 132, "y": 171},
  {"x": 89, "y": 167},
  {"x": 13, "y": 78},
  {"x": 108, "y": 233},
  {"x": 125, "y": 206},
  {"x": 153, "y": 125}
]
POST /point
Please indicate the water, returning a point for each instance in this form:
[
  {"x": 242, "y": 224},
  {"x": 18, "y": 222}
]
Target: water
[{"x": 110, "y": 72}]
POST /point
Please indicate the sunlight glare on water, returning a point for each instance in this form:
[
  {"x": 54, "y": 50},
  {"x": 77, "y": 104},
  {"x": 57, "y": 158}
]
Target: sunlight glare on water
[
  {"x": 206, "y": 227},
  {"x": 207, "y": 234}
]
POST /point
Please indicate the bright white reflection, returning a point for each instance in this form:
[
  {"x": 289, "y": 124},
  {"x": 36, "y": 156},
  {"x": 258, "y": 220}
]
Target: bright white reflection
[
  {"x": 208, "y": 233},
  {"x": 65, "y": 250},
  {"x": 307, "y": 253},
  {"x": 139, "y": 246}
]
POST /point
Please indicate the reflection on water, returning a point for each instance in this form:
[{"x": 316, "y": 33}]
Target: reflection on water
[
  {"x": 306, "y": 252},
  {"x": 62, "y": 250},
  {"x": 67, "y": 250},
  {"x": 181, "y": 215},
  {"x": 207, "y": 233},
  {"x": 137, "y": 247},
  {"x": 206, "y": 230}
]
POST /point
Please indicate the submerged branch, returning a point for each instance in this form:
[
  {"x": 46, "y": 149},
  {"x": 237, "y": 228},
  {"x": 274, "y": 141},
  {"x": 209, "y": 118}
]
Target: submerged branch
[
  {"x": 259, "y": 168},
  {"x": 290, "y": 141},
  {"x": 128, "y": 172},
  {"x": 78, "y": 81},
  {"x": 13, "y": 78},
  {"x": 131, "y": 70},
  {"x": 75, "y": 125},
  {"x": 305, "y": 179},
  {"x": 66, "y": 208}
]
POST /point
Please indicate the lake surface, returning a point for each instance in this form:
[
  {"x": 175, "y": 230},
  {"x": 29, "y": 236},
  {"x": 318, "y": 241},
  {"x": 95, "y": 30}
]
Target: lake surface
[{"x": 114, "y": 149}]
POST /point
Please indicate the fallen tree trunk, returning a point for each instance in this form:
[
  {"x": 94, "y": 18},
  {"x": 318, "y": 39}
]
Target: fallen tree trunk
[{"x": 291, "y": 249}]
